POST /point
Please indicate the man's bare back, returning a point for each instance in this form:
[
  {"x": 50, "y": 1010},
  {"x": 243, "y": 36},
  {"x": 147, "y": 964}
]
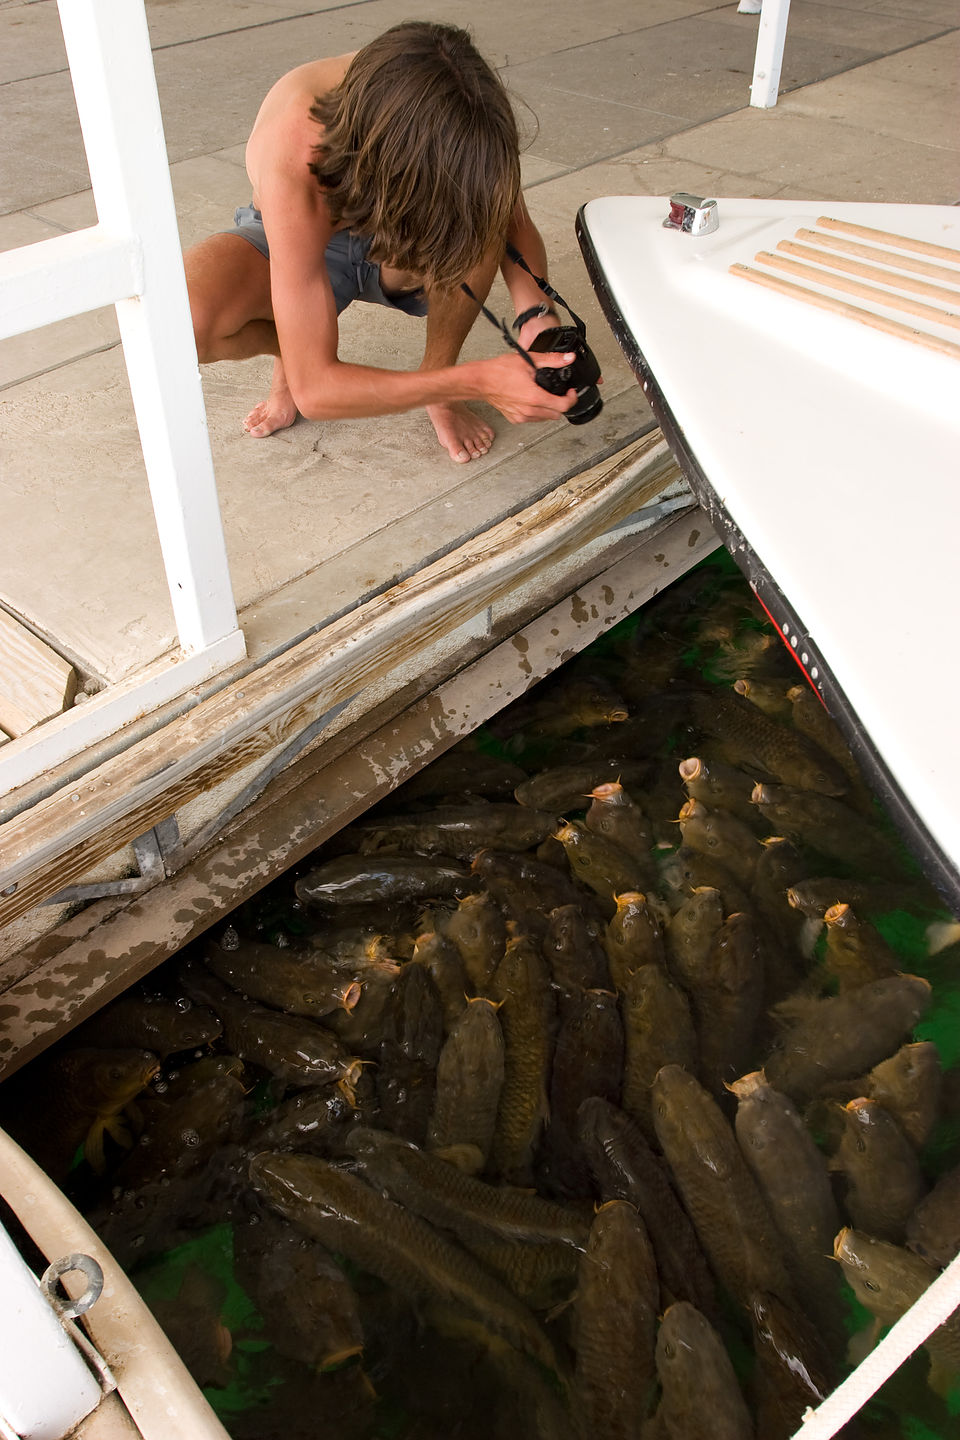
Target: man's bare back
[{"x": 245, "y": 303}]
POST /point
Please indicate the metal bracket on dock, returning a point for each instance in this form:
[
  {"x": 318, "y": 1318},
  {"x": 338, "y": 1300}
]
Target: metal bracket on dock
[{"x": 147, "y": 848}]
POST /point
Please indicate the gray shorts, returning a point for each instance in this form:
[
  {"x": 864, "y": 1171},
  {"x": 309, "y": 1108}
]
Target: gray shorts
[{"x": 352, "y": 275}]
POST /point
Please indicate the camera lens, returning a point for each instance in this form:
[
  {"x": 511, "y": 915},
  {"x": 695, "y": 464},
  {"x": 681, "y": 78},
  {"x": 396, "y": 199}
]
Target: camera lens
[{"x": 588, "y": 406}]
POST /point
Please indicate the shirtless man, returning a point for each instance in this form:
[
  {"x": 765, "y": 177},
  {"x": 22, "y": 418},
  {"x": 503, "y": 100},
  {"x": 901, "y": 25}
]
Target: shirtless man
[{"x": 391, "y": 174}]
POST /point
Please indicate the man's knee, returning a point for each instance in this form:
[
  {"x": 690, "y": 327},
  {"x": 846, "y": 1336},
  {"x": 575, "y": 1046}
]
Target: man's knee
[{"x": 227, "y": 286}]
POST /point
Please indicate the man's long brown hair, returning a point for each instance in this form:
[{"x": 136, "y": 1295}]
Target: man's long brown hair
[{"x": 420, "y": 151}]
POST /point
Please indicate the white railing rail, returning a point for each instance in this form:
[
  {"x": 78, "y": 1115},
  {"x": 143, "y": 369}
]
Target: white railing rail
[{"x": 131, "y": 258}]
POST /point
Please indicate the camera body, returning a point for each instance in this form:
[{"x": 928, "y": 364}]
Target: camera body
[{"x": 582, "y": 375}]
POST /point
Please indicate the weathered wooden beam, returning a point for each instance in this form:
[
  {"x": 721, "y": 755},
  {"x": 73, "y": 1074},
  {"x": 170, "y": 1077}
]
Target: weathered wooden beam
[
  {"x": 64, "y": 835},
  {"x": 73, "y": 975}
]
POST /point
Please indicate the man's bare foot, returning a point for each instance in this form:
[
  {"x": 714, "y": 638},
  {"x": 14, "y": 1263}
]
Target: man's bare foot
[
  {"x": 461, "y": 433},
  {"x": 276, "y": 412}
]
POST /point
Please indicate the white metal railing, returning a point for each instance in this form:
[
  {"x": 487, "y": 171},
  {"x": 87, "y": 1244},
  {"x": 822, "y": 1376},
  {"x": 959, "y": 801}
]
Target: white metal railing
[{"x": 131, "y": 258}]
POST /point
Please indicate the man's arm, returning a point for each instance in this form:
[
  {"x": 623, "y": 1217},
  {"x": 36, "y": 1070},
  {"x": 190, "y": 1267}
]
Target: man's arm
[{"x": 524, "y": 236}]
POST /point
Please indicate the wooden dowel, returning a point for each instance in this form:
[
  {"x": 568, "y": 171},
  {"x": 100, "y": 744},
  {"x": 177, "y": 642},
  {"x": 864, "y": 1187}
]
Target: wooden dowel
[
  {"x": 870, "y": 272},
  {"x": 903, "y": 242},
  {"x": 873, "y": 252},
  {"x": 850, "y": 312},
  {"x": 862, "y": 292}
]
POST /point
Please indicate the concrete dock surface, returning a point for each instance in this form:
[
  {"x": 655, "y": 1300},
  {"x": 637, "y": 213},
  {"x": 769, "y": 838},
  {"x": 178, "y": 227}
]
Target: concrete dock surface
[{"x": 645, "y": 97}]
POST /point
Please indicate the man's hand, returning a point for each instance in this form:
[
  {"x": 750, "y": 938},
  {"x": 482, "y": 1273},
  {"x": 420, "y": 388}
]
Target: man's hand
[{"x": 509, "y": 385}]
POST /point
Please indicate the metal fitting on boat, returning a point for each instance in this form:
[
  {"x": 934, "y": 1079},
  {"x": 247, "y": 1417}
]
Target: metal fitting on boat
[{"x": 692, "y": 214}]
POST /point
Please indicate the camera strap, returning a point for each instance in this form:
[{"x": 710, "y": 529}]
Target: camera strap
[
  {"x": 547, "y": 289},
  {"x": 500, "y": 325}
]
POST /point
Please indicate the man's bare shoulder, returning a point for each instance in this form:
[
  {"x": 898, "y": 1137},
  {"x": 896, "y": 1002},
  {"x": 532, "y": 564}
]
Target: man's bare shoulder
[{"x": 284, "y": 134}]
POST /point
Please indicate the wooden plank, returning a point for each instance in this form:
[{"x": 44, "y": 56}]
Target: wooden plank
[
  {"x": 35, "y": 682},
  {"x": 57, "y": 841},
  {"x": 889, "y": 237},
  {"x": 870, "y": 272},
  {"x": 850, "y": 312},
  {"x": 890, "y": 257},
  {"x": 886, "y": 298},
  {"x": 322, "y": 792}
]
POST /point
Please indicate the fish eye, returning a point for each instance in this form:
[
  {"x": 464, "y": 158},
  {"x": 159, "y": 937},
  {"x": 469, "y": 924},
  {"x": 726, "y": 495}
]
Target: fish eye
[
  {"x": 861, "y": 1145},
  {"x": 871, "y": 1285},
  {"x": 669, "y": 1349}
]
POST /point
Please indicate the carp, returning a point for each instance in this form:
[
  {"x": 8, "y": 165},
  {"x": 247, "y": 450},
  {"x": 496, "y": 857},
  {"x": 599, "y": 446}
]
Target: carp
[
  {"x": 565, "y": 787},
  {"x": 721, "y": 836},
  {"x": 933, "y": 1230},
  {"x": 908, "y": 1084},
  {"x": 633, "y": 937},
  {"x": 718, "y": 1191},
  {"x": 372, "y": 879},
  {"x": 574, "y": 951},
  {"x": 193, "y": 1324},
  {"x": 727, "y": 1001},
  {"x": 658, "y": 1030},
  {"x": 443, "y": 962},
  {"x": 700, "y": 1399},
  {"x": 149, "y": 1022},
  {"x": 615, "y": 815},
  {"x": 615, "y": 1325},
  {"x": 884, "y": 1183},
  {"x": 469, "y": 1081},
  {"x": 448, "y": 1197},
  {"x": 888, "y": 1280},
  {"x": 76, "y": 1098},
  {"x": 769, "y": 696},
  {"x": 310, "y": 1310},
  {"x": 748, "y": 738},
  {"x": 843, "y": 1035},
  {"x": 794, "y": 1179},
  {"x": 690, "y": 933},
  {"x": 458, "y": 830},
  {"x": 587, "y": 1061},
  {"x": 185, "y": 1132},
  {"x": 346, "y": 1216},
  {"x": 599, "y": 863},
  {"x": 296, "y": 981},
  {"x": 410, "y": 1048},
  {"x": 522, "y": 986},
  {"x": 855, "y": 952},
  {"x": 794, "y": 1371},
  {"x": 479, "y": 931}
]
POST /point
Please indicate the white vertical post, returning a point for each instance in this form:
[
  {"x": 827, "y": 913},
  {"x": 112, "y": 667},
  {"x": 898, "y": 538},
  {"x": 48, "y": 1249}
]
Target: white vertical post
[
  {"x": 108, "y": 48},
  {"x": 768, "y": 61}
]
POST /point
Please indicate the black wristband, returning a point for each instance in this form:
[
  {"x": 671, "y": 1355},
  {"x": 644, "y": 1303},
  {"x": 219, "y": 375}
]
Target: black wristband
[{"x": 534, "y": 313}]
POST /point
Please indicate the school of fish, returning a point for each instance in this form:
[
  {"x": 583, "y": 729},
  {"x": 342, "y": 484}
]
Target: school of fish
[{"x": 572, "y": 1092}]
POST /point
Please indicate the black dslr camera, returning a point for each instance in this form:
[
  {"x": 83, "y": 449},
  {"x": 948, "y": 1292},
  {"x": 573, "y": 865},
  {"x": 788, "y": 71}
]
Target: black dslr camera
[{"x": 582, "y": 375}]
